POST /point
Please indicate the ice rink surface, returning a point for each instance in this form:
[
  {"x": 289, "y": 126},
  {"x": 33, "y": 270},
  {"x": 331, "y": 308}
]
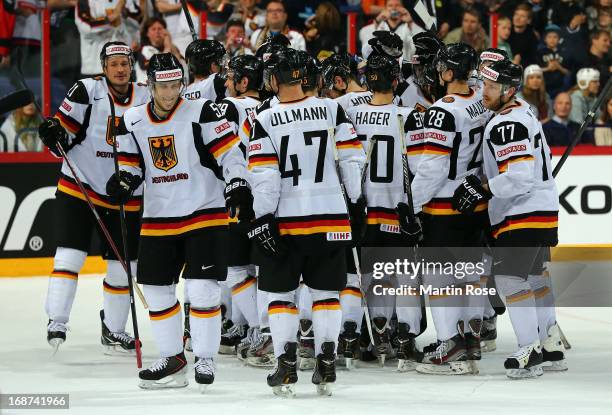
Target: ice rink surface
[{"x": 100, "y": 384}]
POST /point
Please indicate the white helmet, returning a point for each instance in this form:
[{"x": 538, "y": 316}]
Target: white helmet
[
  {"x": 585, "y": 76},
  {"x": 532, "y": 70}
]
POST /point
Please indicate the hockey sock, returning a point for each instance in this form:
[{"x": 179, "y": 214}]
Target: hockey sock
[
  {"x": 63, "y": 283},
  {"x": 116, "y": 296},
  {"x": 446, "y": 309},
  {"x": 326, "y": 317},
  {"x": 244, "y": 298},
  {"x": 350, "y": 302},
  {"x": 205, "y": 316},
  {"x": 284, "y": 320},
  {"x": 408, "y": 304},
  {"x": 520, "y": 302},
  {"x": 166, "y": 318},
  {"x": 381, "y": 304},
  {"x": 304, "y": 302},
  {"x": 545, "y": 302},
  {"x": 262, "y": 308},
  {"x": 226, "y": 301}
]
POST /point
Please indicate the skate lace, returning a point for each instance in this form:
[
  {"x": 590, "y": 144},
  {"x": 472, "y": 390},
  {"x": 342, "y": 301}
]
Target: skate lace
[
  {"x": 160, "y": 364},
  {"x": 259, "y": 339},
  {"x": 205, "y": 366},
  {"x": 442, "y": 349},
  {"x": 123, "y": 336},
  {"x": 522, "y": 353},
  {"x": 55, "y": 326},
  {"x": 248, "y": 339},
  {"x": 236, "y": 330}
]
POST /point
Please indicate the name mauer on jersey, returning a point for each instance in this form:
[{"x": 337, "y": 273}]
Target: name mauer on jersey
[
  {"x": 517, "y": 164},
  {"x": 293, "y": 175},
  {"x": 85, "y": 115},
  {"x": 185, "y": 160}
]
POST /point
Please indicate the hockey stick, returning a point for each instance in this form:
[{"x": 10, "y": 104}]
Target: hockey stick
[
  {"x": 16, "y": 100},
  {"x": 194, "y": 36},
  {"x": 124, "y": 239},
  {"x": 330, "y": 132}
]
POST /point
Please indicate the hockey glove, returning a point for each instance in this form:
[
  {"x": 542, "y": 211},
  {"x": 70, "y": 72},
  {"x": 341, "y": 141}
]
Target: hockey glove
[
  {"x": 410, "y": 224},
  {"x": 469, "y": 194},
  {"x": 52, "y": 134},
  {"x": 358, "y": 216},
  {"x": 120, "y": 188},
  {"x": 264, "y": 232},
  {"x": 239, "y": 200}
]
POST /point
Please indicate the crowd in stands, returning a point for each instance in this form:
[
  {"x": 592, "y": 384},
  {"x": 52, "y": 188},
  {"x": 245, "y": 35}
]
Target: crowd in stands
[{"x": 563, "y": 45}]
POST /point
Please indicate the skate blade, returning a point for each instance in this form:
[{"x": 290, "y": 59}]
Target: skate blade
[
  {"x": 324, "y": 389},
  {"x": 188, "y": 346},
  {"x": 381, "y": 359},
  {"x": 487, "y": 346},
  {"x": 532, "y": 372},
  {"x": 307, "y": 363},
  {"x": 350, "y": 363},
  {"x": 405, "y": 365},
  {"x": 284, "y": 391},
  {"x": 117, "y": 350},
  {"x": 473, "y": 367},
  {"x": 264, "y": 361},
  {"x": 178, "y": 380},
  {"x": 203, "y": 387},
  {"x": 449, "y": 369},
  {"x": 227, "y": 350},
  {"x": 558, "y": 366},
  {"x": 55, "y": 344}
]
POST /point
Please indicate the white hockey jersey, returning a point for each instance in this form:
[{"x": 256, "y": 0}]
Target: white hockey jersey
[
  {"x": 410, "y": 95},
  {"x": 381, "y": 125},
  {"x": 517, "y": 164},
  {"x": 293, "y": 173},
  {"x": 451, "y": 151},
  {"x": 212, "y": 88},
  {"x": 185, "y": 159},
  {"x": 85, "y": 114},
  {"x": 352, "y": 99},
  {"x": 240, "y": 112}
]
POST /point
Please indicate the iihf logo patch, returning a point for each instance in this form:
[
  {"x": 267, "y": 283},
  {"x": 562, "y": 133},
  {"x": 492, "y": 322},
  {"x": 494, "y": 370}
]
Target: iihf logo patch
[{"x": 339, "y": 236}]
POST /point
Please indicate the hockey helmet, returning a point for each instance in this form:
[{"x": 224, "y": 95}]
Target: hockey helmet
[
  {"x": 380, "y": 72},
  {"x": 202, "y": 53},
  {"x": 461, "y": 58}
]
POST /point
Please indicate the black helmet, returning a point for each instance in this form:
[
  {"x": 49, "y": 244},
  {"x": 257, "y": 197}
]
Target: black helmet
[
  {"x": 461, "y": 58},
  {"x": 273, "y": 43},
  {"x": 492, "y": 55},
  {"x": 247, "y": 66},
  {"x": 504, "y": 72},
  {"x": 113, "y": 49},
  {"x": 312, "y": 71},
  {"x": 164, "y": 67},
  {"x": 387, "y": 43},
  {"x": 338, "y": 64},
  {"x": 380, "y": 72},
  {"x": 201, "y": 53},
  {"x": 286, "y": 65},
  {"x": 426, "y": 46}
]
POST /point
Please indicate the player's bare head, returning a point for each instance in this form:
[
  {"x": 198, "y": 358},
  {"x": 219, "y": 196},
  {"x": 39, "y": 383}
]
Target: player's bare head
[
  {"x": 117, "y": 62},
  {"x": 455, "y": 62},
  {"x": 284, "y": 68},
  {"x": 205, "y": 57},
  {"x": 166, "y": 80},
  {"x": 243, "y": 73},
  {"x": 501, "y": 83},
  {"x": 382, "y": 73}
]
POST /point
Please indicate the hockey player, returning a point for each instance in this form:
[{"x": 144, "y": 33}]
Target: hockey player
[
  {"x": 382, "y": 124},
  {"x": 453, "y": 129},
  {"x": 313, "y": 81},
  {"x": 342, "y": 80},
  {"x": 244, "y": 77},
  {"x": 523, "y": 209},
  {"x": 81, "y": 127},
  {"x": 302, "y": 225},
  {"x": 486, "y": 58},
  {"x": 205, "y": 60},
  {"x": 183, "y": 152}
]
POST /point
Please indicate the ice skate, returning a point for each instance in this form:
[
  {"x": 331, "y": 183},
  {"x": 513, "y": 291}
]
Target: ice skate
[
  {"x": 204, "y": 372},
  {"x": 284, "y": 377},
  {"x": 407, "y": 352},
  {"x": 488, "y": 334},
  {"x": 167, "y": 372},
  {"x": 448, "y": 358},
  {"x": 348, "y": 345},
  {"x": 525, "y": 363},
  {"x": 56, "y": 335},
  {"x": 231, "y": 339},
  {"x": 116, "y": 343},
  {"x": 261, "y": 352},
  {"x": 243, "y": 347},
  {"x": 381, "y": 339},
  {"x": 472, "y": 344},
  {"x": 553, "y": 351},
  {"x": 325, "y": 369}
]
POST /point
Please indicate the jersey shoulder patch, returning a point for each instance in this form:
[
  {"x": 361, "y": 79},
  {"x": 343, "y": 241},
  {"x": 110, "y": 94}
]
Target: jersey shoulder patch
[
  {"x": 448, "y": 99},
  {"x": 414, "y": 121},
  {"x": 440, "y": 119},
  {"x": 508, "y": 131},
  {"x": 210, "y": 112},
  {"x": 78, "y": 93}
]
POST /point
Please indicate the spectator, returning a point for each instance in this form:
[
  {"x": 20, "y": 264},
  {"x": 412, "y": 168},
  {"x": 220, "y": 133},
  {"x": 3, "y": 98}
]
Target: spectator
[
  {"x": 534, "y": 92},
  {"x": 551, "y": 60},
  {"x": 173, "y": 14},
  {"x": 523, "y": 39},
  {"x": 394, "y": 18},
  {"x": 564, "y": 11},
  {"x": 504, "y": 28},
  {"x": 455, "y": 12},
  {"x": 323, "y": 36},
  {"x": 276, "y": 22},
  {"x": 601, "y": 132},
  {"x": 470, "y": 32},
  {"x": 574, "y": 37},
  {"x": 154, "y": 38},
  {"x": 252, "y": 16},
  {"x": 593, "y": 12},
  {"x": 560, "y": 130},
  {"x": 218, "y": 13},
  {"x": 604, "y": 20},
  {"x": 98, "y": 21},
  {"x": 598, "y": 56},
  {"x": 586, "y": 94},
  {"x": 236, "y": 41},
  {"x": 20, "y": 130}
]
